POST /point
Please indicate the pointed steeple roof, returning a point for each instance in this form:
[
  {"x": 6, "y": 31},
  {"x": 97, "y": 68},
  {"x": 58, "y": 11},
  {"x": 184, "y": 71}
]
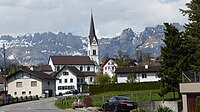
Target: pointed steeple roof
[{"x": 92, "y": 34}]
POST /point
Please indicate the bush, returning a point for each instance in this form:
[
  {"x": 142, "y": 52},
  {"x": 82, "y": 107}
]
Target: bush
[
  {"x": 96, "y": 89},
  {"x": 164, "y": 109},
  {"x": 198, "y": 104},
  {"x": 87, "y": 101}
]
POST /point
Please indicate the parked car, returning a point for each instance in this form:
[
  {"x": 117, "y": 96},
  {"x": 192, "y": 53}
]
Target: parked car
[
  {"x": 8, "y": 97},
  {"x": 119, "y": 104},
  {"x": 72, "y": 91}
]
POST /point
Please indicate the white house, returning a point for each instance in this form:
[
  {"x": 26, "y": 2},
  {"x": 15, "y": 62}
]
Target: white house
[
  {"x": 109, "y": 67},
  {"x": 143, "y": 74},
  {"x": 69, "y": 78},
  {"x": 83, "y": 63},
  {"x": 30, "y": 83}
]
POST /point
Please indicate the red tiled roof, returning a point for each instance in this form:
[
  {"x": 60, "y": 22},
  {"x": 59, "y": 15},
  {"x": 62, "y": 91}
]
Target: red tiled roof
[
  {"x": 137, "y": 69},
  {"x": 35, "y": 73},
  {"x": 43, "y": 68},
  {"x": 71, "y": 60}
]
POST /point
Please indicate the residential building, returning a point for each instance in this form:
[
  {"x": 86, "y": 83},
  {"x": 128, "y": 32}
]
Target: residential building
[
  {"x": 109, "y": 67},
  {"x": 189, "y": 89},
  {"x": 143, "y": 73},
  {"x": 30, "y": 83},
  {"x": 69, "y": 78},
  {"x": 44, "y": 68},
  {"x": 83, "y": 63}
]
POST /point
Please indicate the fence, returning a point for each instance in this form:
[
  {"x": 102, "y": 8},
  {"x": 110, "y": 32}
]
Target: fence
[
  {"x": 9, "y": 100},
  {"x": 145, "y": 100}
]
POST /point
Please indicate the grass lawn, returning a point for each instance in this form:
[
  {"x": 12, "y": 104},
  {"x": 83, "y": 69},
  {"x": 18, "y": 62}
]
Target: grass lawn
[
  {"x": 138, "y": 96},
  {"x": 65, "y": 103}
]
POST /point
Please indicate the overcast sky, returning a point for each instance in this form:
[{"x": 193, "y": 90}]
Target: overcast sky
[{"x": 110, "y": 16}]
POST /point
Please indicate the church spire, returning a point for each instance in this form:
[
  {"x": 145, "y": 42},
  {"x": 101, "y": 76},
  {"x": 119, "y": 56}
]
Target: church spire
[{"x": 92, "y": 34}]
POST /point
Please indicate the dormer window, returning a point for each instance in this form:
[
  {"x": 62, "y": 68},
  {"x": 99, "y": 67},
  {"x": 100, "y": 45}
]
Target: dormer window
[
  {"x": 88, "y": 68},
  {"x": 81, "y": 68}
]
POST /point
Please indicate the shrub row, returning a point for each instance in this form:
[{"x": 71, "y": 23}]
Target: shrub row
[{"x": 96, "y": 89}]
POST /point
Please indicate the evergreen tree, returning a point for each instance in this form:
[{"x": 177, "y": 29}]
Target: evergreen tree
[
  {"x": 191, "y": 57},
  {"x": 170, "y": 71}
]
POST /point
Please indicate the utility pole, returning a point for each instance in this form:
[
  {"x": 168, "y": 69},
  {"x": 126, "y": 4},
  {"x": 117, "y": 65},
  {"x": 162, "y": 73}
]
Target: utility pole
[{"x": 4, "y": 72}]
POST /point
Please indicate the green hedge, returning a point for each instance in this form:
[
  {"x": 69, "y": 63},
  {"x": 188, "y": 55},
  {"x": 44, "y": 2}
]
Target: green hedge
[
  {"x": 198, "y": 104},
  {"x": 96, "y": 89}
]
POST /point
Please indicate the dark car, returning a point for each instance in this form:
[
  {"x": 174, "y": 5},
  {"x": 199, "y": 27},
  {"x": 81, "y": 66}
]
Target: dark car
[
  {"x": 8, "y": 97},
  {"x": 119, "y": 104}
]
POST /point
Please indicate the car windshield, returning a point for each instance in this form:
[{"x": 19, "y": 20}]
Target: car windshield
[{"x": 122, "y": 98}]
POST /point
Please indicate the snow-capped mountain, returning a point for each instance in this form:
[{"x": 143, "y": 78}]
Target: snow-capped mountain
[{"x": 35, "y": 49}]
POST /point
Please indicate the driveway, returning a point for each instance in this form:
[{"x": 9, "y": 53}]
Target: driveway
[{"x": 42, "y": 105}]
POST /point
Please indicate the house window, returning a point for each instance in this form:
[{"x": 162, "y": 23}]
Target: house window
[
  {"x": 71, "y": 80},
  {"x": 48, "y": 83},
  {"x": 65, "y": 80},
  {"x": 58, "y": 68},
  {"x": 82, "y": 80},
  {"x": 18, "y": 84},
  {"x": 91, "y": 79},
  {"x": 59, "y": 87},
  {"x": 33, "y": 83},
  {"x": 113, "y": 68},
  {"x": 65, "y": 73},
  {"x": 15, "y": 93},
  {"x": 94, "y": 52},
  {"x": 88, "y": 68},
  {"x": 23, "y": 92},
  {"x": 29, "y": 92},
  {"x": 144, "y": 75},
  {"x": 81, "y": 68},
  {"x": 78, "y": 80},
  {"x": 60, "y": 80}
]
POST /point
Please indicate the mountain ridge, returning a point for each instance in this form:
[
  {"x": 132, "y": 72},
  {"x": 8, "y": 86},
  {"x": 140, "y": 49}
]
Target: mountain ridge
[{"x": 33, "y": 49}]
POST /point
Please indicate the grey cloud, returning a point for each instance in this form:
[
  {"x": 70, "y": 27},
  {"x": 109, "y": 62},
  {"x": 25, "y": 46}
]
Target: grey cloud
[
  {"x": 169, "y": 1},
  {"x": 111, "y": 16}
]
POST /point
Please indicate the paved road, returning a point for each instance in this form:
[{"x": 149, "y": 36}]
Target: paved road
[{"x": 43, "y": 105}]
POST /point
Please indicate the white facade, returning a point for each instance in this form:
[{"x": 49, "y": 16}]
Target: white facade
[
  {"x": 83, "y": 68},
  {"x": 93, "y": 51},
  {"x": 140, "y": 77},
  {"x": 24, "y": 84},
  {"x": 110, "y": 67},
  {"x": 67, "y": 81}
]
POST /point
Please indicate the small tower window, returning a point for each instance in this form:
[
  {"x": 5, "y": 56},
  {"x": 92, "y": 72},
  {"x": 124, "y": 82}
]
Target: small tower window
[
  {"x": 81, "y": 68},
  {"x": 88, "y": 68},
  {"x": 94, "y": 52}
]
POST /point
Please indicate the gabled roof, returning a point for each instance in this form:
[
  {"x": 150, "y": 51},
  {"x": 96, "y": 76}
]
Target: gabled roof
[
  {"x": 71, "y": 60},
  {"x": 38, "y": 74},
  {"x": 104, "y": 62},
  {"x": 92, "y": 34},
  {"x": 72, "y": 69},
  {"x": 44, "y": 68},
  {"x": 140, "y": 69}
]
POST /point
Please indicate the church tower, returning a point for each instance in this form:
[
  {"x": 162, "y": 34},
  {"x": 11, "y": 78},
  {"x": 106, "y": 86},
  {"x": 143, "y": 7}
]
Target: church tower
[{"x": 93, "y": 46}]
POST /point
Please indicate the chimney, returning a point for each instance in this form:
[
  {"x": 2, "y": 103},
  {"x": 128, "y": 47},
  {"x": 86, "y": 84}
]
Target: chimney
[{"x": 146, "y": 66}]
